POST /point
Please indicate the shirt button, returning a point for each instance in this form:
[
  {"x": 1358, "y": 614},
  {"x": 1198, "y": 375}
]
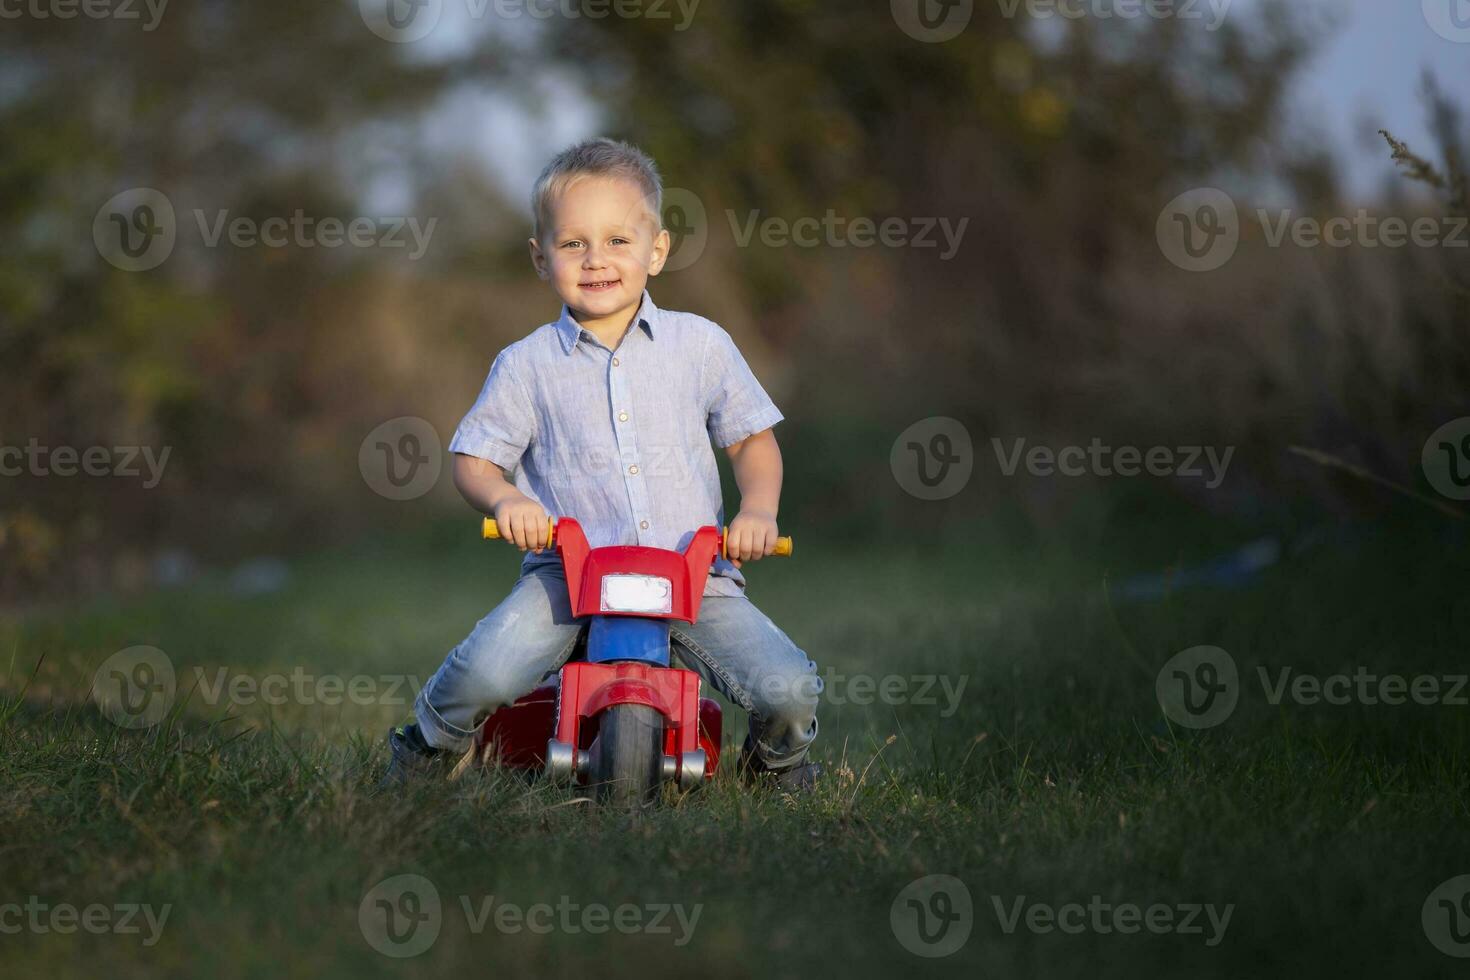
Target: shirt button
[
  {"x": 643, "y": 524},
  {"x": 622, "y": 416},
  {"x": 616, "y": 362},
  {"x": 633, "y": 469}
]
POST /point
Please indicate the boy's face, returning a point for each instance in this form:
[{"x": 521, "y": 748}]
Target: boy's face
[{"x": 599, "y": 247}]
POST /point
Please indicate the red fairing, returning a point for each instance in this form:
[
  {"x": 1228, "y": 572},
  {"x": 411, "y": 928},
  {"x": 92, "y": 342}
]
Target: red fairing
[
  {"x": 516, "y": 735},
  {"x": 585, "y": 567},
  {"x": 690, "y": 722}
]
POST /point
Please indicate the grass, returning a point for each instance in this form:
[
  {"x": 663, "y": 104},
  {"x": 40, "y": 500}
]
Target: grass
[{"x": 1054, "y": 776}]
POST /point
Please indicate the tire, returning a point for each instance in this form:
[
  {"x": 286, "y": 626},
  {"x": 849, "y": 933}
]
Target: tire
[{"x": 627, "y": 755}]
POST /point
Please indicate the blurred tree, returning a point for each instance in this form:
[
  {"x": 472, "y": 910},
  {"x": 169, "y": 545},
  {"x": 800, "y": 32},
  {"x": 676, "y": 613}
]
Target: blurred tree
[
  {"x": 1058, "y": 146},
  {"x": 244, "y": 109}
]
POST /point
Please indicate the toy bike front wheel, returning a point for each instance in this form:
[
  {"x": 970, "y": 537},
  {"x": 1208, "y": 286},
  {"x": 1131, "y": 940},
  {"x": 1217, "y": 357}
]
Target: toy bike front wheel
[{"x": 627, "y": 755}]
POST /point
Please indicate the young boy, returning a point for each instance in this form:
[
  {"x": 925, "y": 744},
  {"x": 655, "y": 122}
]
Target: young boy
[{"x": 606, "y": 416}]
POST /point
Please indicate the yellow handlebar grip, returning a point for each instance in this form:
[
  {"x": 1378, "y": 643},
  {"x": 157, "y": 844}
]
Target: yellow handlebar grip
[
  {"x": 489, "y": 530},
  {"x": 784, "y": 544}
]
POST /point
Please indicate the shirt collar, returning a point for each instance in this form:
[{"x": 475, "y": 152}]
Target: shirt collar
[{"x": 570, "y": 331}]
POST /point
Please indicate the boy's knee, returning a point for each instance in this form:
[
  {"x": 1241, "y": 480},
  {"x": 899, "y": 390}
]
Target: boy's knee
[{"x": 788, "y": 695}]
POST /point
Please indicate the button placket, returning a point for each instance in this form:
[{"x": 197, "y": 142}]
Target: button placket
[{"x": 627, "y": 441}]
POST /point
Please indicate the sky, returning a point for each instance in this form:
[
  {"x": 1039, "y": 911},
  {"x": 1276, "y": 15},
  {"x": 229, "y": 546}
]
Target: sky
[{"x": 1366, "y": 76}]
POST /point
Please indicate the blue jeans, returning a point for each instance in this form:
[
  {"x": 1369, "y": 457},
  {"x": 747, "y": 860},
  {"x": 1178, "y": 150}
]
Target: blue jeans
[{"x": 734, "y": 647}]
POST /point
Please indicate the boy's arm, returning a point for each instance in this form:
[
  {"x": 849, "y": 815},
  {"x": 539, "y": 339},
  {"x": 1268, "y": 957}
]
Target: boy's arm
[
  {"x": 756, "y": 462},
  {"x": 484, "y": 486}
]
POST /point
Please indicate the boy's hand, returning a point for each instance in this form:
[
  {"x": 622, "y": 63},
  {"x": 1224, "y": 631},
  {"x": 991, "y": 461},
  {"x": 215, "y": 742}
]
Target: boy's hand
[
  {"x": 752, "y": 536},
  {"x": 522, "y": 520}
]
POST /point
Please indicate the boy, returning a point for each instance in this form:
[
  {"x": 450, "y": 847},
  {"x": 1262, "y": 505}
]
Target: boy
[{"x": 606, "y": 415}]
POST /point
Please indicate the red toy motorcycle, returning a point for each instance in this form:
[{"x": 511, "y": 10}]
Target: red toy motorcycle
[{"x": 617, "y": 716}]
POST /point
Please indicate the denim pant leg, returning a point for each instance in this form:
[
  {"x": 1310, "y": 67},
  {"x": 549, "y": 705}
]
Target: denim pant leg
[
  {"x": 752, "y": 662},
  {"x": 507, "y": 654}
]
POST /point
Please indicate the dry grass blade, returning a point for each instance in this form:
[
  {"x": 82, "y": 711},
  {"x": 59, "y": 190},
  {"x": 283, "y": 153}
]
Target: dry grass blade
[{"x": 1353, "y": 469}]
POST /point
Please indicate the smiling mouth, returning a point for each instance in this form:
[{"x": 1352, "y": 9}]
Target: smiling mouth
[{"x": 600, "y": 286}]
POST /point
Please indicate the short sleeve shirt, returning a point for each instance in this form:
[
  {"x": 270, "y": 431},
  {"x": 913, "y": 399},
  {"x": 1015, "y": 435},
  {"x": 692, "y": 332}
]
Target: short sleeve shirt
[{"x": 620, "y": 439}]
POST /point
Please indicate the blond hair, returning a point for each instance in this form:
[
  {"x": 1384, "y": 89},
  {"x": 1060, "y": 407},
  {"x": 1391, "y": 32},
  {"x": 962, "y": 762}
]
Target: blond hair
[{"x": 599, "y": 157}]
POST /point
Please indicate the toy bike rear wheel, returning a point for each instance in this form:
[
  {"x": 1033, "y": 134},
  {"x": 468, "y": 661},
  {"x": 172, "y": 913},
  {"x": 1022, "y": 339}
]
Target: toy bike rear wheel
[{"x": 627, "y": 755}]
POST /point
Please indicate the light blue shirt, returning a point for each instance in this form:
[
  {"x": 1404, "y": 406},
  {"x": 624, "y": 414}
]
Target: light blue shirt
[{"x": 620, "y": 439}]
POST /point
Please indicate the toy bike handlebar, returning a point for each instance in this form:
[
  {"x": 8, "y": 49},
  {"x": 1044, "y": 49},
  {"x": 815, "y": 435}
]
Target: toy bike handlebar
[{"x": 490, "y": 530}]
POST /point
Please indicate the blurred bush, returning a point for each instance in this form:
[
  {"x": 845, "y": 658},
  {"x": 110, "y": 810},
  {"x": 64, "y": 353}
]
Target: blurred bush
[{"x": 1058, "y": 320}]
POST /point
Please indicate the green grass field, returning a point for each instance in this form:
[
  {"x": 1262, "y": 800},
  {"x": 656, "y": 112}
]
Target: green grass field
[{"x": 1050, "y": 778}]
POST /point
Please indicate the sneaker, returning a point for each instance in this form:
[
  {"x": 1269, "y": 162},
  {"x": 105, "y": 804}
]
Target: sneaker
[
  {"x": 413, "y": 758},
  {"x": 800, "y": 777}
]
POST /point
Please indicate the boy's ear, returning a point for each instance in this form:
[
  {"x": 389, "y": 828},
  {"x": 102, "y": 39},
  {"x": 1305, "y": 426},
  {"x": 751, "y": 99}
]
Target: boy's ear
[
  {"x": 660, "y": 252},
  {"x": 538, "y": 258}
]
